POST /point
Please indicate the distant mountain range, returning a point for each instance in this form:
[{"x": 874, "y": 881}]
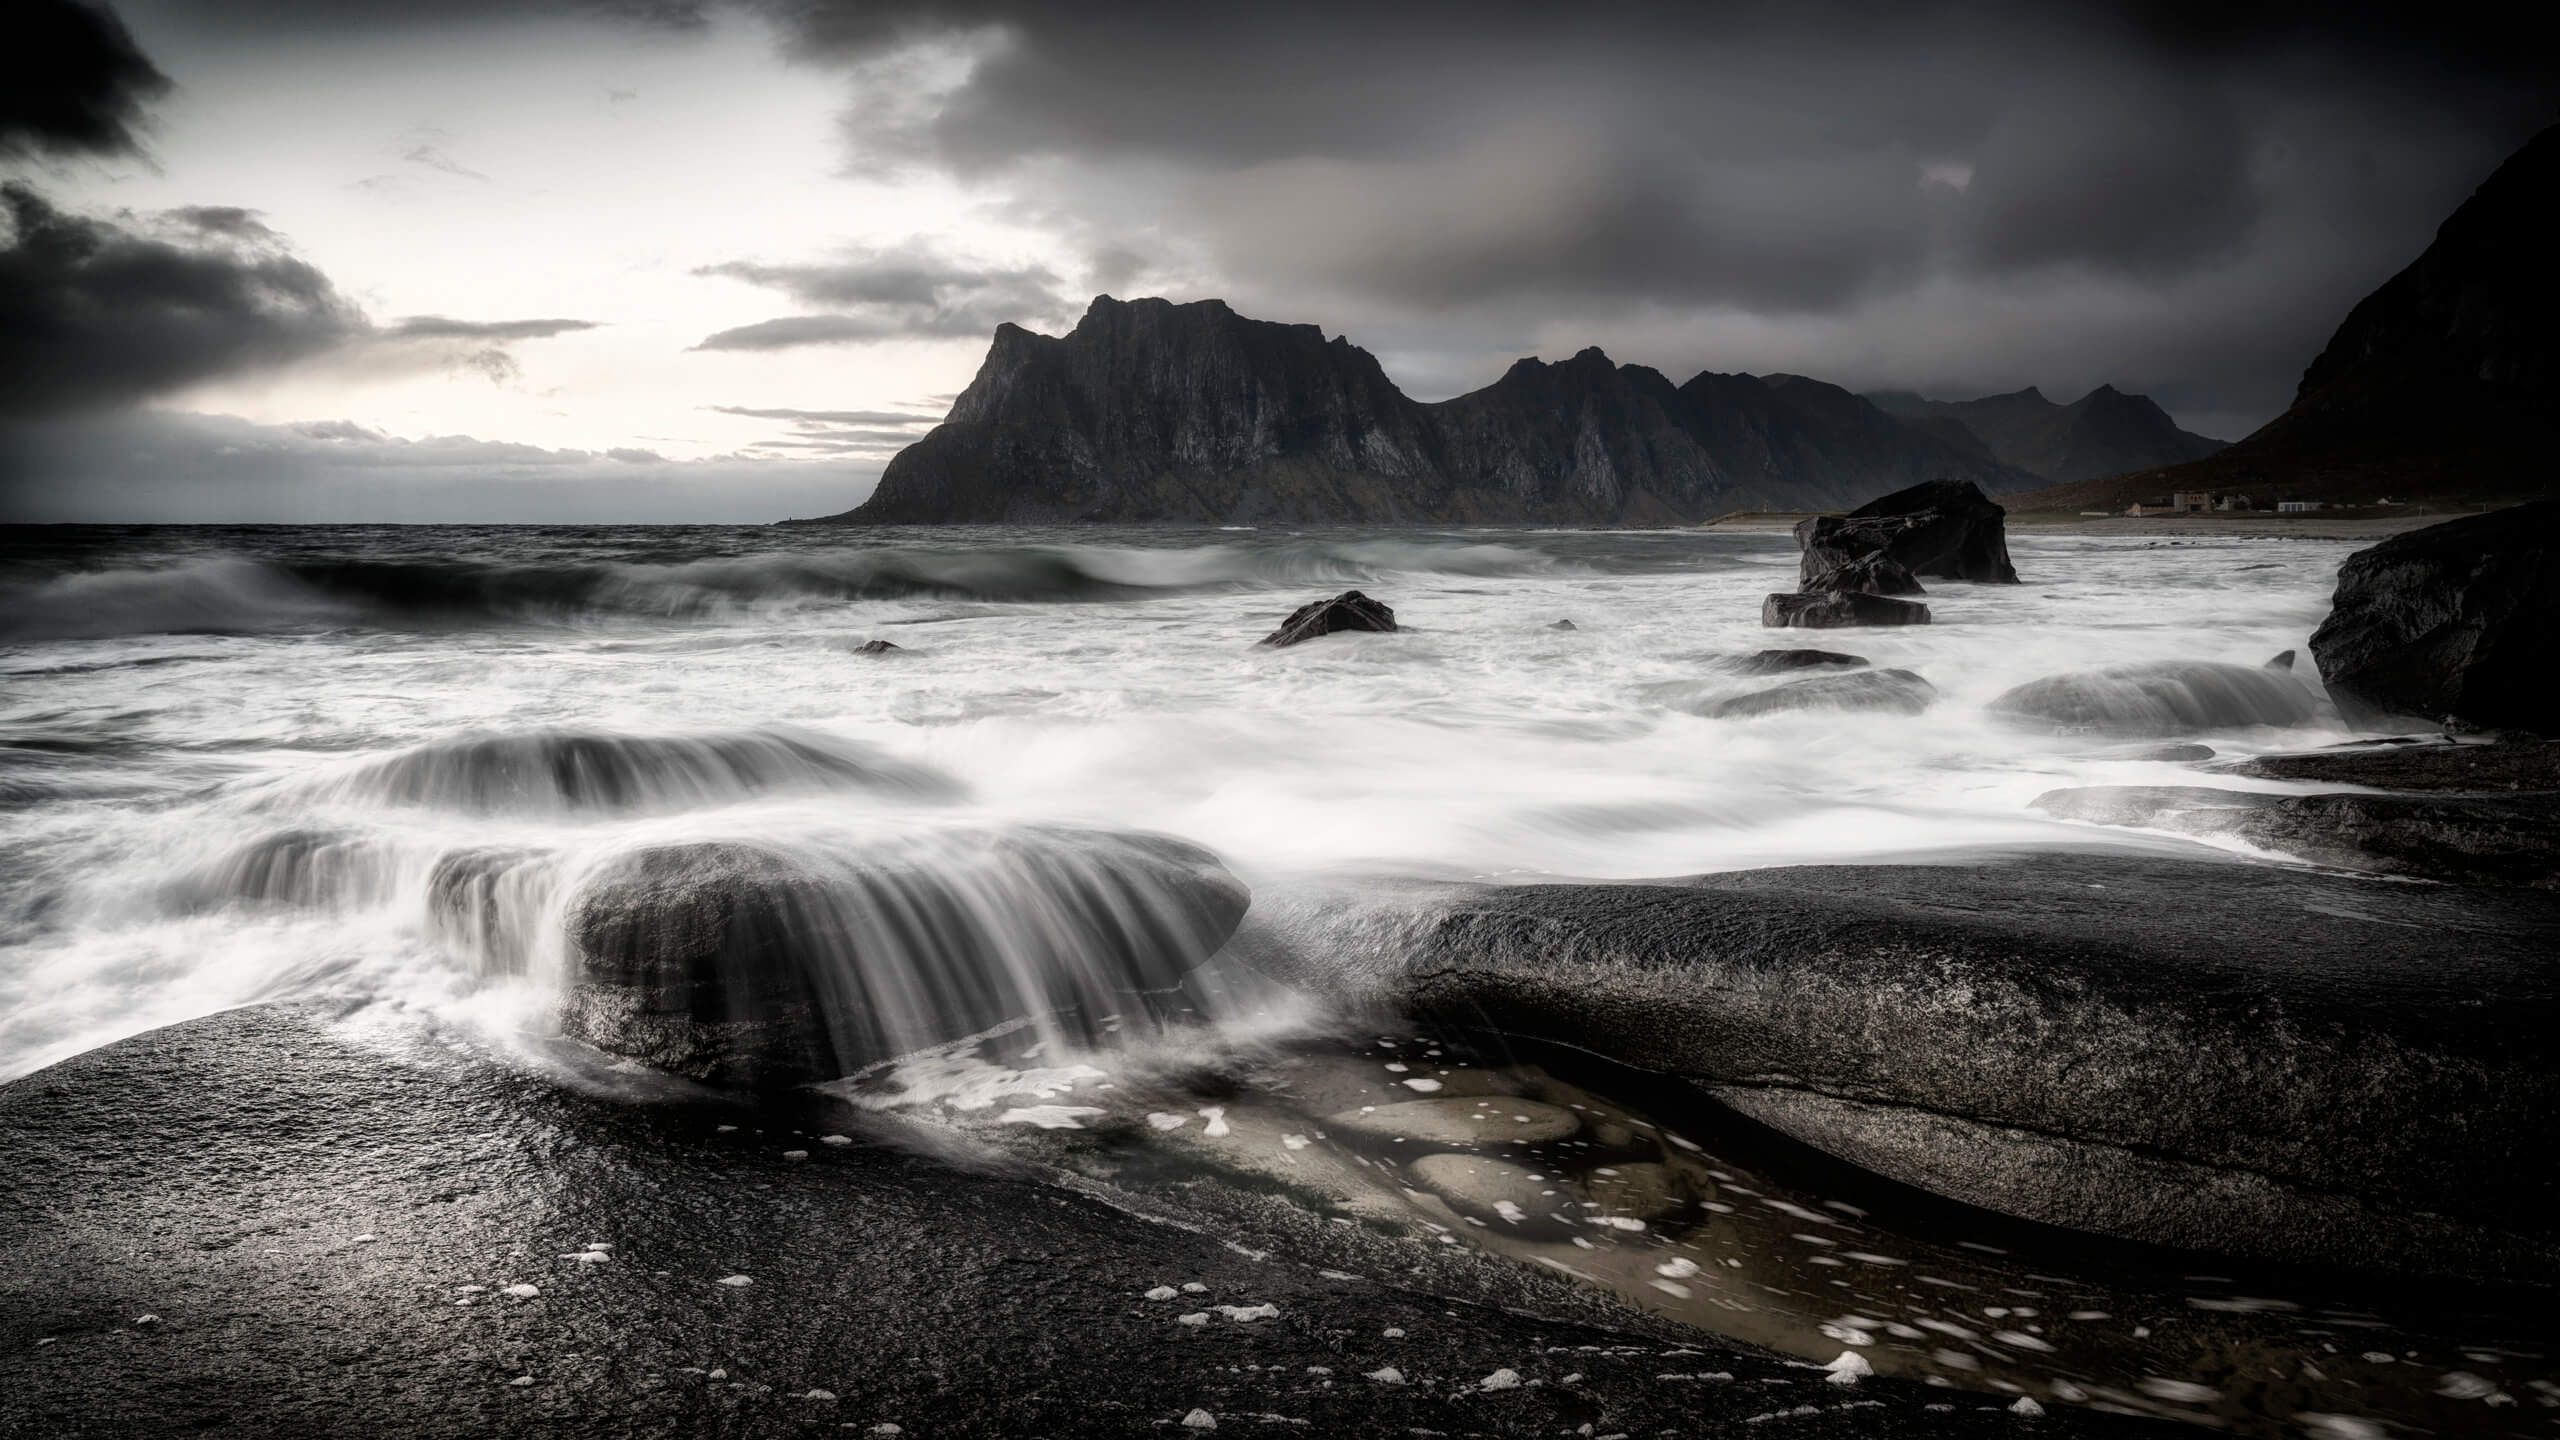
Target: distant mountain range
[
  {"x": 1151, "y": 411},
  {"x": 2105, "y": 432},
  {"x": 2443, "y": 385}
]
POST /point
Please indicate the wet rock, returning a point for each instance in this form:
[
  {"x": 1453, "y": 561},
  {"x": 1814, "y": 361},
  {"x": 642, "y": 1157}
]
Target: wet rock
[
  {"x": 1896, "y": 692},
  {"x": 1349, "y": 610},
  {"x": 1867, "y": 575},
  {"x": 489, "y": 904},
  {"x": 2167, "y": 697},
  {"x": 743, "y": 965},
  {"x": 1498, "y": 1191},
  {"x": 879, "y": 647},
  {"x": 206, "y": 1136},
  {"x": 2177, "y": 754},
  {"x": 1458, "y": 1121},
  {"x": 2452, "y": 623},
  {"x": 2253, "y": 1059},
  {"x": 1942, "y": 528},
  {"x": 2458, "y": 839},
  {"x": 1564, "y": 625},
  {"x": 1640, "y": 1189},
  {"x": 302, "y": 867},
  {"x": 1835, "y": 611},
  {"x": 572, "y": 771},
  {"x": 2476, "y": 768},
  {"x": 1782, "y": 662}
]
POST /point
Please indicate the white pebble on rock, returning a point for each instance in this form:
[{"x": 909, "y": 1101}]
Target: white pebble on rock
[
  {"x": 1389, "y": 1375},
  {"x": 1162, "y": 1292},
  {"x": 1200, "y": 1420},
  {"x": 521, "y": 1292},
  {"x": 737, "y": 1281},
  {"x": 1503, "y": 1379}
]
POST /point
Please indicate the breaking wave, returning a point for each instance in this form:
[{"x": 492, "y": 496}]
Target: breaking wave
[{"x": 235, "y": 594}]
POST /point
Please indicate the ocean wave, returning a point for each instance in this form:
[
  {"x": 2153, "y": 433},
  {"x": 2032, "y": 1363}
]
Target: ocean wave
[{"x": 232, "y": 594}]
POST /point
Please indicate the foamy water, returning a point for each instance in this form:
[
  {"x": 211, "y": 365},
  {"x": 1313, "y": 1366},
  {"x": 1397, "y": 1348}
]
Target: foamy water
[{"x": 168, "y": 697}]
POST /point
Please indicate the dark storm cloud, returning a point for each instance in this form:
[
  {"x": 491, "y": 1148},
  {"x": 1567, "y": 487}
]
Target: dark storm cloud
[
  {"x": 906, "y": 292},
  {"x": 100, "y": 313},
  {"x": 94, "y": 314},
  {"x": 72, "y": 82},
  {"x": 1438, "y": 176}
]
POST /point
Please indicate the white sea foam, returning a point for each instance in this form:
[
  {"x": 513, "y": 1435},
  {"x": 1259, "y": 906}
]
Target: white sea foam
[{"x": 1045, "y": 678}]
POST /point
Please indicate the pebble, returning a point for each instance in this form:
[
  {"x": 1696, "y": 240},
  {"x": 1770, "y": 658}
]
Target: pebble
[
  {"x": 819, "y": 1395},
  {"x": 1195, "y": 1287},
  {"x": 521, "y": 1380},
  {"x": 1494, "y": 1189},
  {"x": 1646, "y": 1191},
  {"x": 1196, "y": 1317},
  {"x": 1200, "y": 1420},
  {"x": 1456, "y": 1120},
  {"x": 521, "y": 1292},
  {"x": 2026, "y": 1407},
  {"x": 795, "y": 1154},
  {"x": 1387, "y": 1376},
  {"x": 1162, "y": 1292},
  {"x": 737, "y": 1280},
  {"x": 1503, "y": 1379},
  {"x": 1244, "y": 1313},
  {"x": 835, "y": 1140}
]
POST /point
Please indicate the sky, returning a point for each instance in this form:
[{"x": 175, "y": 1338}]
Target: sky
[{"x": 717, "y": 260}]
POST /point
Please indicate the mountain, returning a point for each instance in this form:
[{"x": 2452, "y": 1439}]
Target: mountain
[
  {"x": 2443, "y": 385},
  {"x": 1151, "y": 411},
  {"x": 2105, "y": 432}
]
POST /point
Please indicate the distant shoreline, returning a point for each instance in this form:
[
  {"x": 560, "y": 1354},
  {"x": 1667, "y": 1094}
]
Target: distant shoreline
[{"x": 2245, "y": 525}]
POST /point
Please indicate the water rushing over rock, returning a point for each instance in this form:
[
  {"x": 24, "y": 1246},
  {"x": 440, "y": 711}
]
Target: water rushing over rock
[
  {"x": 568, "y": 771},
  {"x": 746, "y": 964}
]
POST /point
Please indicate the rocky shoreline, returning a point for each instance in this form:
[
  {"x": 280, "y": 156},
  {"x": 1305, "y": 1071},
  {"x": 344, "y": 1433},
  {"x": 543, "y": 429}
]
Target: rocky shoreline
[{"x": 266, "y": 1223}]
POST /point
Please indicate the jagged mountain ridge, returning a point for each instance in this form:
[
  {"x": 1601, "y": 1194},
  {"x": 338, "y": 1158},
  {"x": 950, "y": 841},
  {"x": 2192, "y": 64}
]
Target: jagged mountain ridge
[
  {"x": 1150, "y": 411},
  {"x": 2105, "y": 432},
  {"x": 2442, "y": 385}
]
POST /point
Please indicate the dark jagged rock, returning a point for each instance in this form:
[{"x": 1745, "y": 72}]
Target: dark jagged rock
[
  {"x": 879, "y": 647},
  {"x": 1833, "y": 611},
  {"x": 1781, "y": 662},
  {"x": 1150, "y": 411},
  {"x": 1866, "y": 575},
  {"x": 1898, "y": 692},
  {"x": 2248, "y": 1059},
  {"x": 2167, "y": 697},
  {"x": 2453, "y": 623},
  {"x": 1564, "y": 625},
  {"x": 1946, "y": 529},
  {"x": 2457, "y": 839},
  {"x": 2105, "y": 432},
  {"x": 744, "y": 966},
  {"x": 1349, "y": 610}
]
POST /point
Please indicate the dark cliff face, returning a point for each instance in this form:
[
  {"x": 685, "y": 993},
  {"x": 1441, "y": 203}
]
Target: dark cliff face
[
  {"x": 2105, "y": 432},
  {"x": 1151, "y": 411},
  {"x": 2443, "y": 385}
]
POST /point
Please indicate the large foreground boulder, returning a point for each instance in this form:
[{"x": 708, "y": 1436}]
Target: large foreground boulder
[
  {"x": 2227, "y": 1057},
  {"x": 328, "y": 1231},
  {"x": 2158, "y": 698},
  {"x": 1838, "y": 610},
  {"x": 753, "y": 966},
  {"x": 1349, "y": 610},
  {"x": 2453, "y": 623},
  {"x": 1944, "y": 529}
]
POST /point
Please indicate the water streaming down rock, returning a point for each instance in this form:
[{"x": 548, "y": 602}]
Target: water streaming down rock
[
  {"x": 744, "y": 964},
  {"x": 567, "y": 771},
  {"x": 313, "y": 868},
  {"x": 2169, "y": 697}
]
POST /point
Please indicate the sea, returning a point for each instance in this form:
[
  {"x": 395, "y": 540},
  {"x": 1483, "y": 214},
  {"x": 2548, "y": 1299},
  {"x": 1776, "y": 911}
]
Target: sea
[{"x": 234, "y": 762}]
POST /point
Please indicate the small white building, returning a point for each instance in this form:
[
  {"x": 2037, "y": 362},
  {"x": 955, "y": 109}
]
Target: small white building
[{"x": 2299, "y": 507}]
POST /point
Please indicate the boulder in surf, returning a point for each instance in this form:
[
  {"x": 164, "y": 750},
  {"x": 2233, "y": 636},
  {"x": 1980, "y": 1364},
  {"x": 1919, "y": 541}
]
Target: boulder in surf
[
  {"x": 1896, "y": 692},
  {"x": 2452, "y": 623},
  {"x": 1349, "y": 610},
  {"x": 1941, "y": 529},
  {"x": 2158, "y": 698},
  {"x": 746, "y": 965},
  {"x": 1838, "y": 610}
]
